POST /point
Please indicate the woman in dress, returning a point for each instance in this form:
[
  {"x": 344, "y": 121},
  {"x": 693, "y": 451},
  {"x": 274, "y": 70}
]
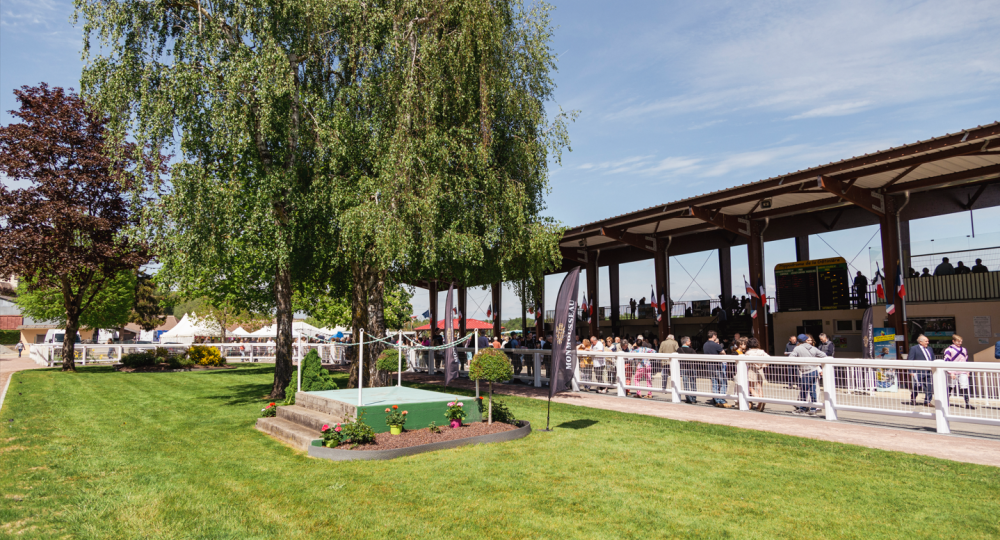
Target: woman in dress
[
  {"x": 755, "y": 371},
  {"x": 586, "y": 363}
]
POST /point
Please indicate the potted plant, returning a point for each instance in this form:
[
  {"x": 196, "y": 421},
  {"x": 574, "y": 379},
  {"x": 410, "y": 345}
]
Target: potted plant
[
  {"x": 395, "y": 419},
  {"x": 490, "y": 365},
  {"x": 455, "y": 413}
]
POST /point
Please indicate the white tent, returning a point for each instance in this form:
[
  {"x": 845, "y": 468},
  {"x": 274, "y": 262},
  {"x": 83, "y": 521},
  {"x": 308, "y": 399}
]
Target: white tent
[
  {"x": 239, "y": 332},
  {"x": 272, "y": 332},
  {"x": 189, "y": 328}
]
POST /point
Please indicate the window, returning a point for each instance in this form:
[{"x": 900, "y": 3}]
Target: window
[
  {"x": 844, "y": 326},
  {"x": 859, "y": 325}
]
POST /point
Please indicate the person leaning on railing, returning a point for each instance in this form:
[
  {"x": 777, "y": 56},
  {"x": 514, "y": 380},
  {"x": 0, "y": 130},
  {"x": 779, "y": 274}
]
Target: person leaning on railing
[
  {"x": 689, "y": 375},
  {"x": 808, "y": 373},
  {"x": 755, "y": 372},
  {"x": 720, "y": 382}
]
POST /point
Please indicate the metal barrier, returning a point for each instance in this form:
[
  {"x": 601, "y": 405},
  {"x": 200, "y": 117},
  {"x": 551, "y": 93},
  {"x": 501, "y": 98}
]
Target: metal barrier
[{"x": 943, "y": 391}]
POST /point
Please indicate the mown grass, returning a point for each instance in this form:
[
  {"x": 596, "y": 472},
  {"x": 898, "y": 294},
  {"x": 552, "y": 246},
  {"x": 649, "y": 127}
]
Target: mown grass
[{"x": 100, "y": 454}]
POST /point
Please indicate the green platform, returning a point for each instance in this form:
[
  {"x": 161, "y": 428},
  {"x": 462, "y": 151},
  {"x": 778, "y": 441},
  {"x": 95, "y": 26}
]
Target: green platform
[{"x": 422, "y": 406}]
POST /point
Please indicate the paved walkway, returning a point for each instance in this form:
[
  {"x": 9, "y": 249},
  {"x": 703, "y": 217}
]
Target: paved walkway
[
  {"x": 956, "y": 448},
  {"x": 10, "y": 364}
]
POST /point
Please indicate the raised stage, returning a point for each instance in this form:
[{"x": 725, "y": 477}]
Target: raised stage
[{"x": 422, "y": 406}]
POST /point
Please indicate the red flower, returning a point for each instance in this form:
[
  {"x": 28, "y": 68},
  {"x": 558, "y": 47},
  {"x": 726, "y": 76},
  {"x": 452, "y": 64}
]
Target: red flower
[
  {"x": 395, "y": 406},
  {"x": 270, "y": 404}
]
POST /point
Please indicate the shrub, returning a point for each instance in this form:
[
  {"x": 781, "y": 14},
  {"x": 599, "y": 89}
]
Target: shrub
[
  {"x": 177, "y": 361},
  {"x": 290, "y": 394},
  {"x": 388, "y": 361},
  {"x": 394, "y": 416},
  {"x": 314, "y": 377},
  {"x": 353, "y": 433},
  {"x": 139, "y": 359},
  {"x": 205, "y": 356},
  {"x": 10, "y": 337},
  {"x": 490, "y": 365},
  {"x": 501, "y": 413}
]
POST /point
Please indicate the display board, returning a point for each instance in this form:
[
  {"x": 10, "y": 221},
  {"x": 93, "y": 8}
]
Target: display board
[
  {"x": 813, "y": 285},
  {"x": 937, "y": 329}
]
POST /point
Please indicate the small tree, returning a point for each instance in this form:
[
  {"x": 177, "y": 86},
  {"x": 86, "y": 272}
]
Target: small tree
[
  {"x": 68, "y": 230},
  {"x": 490, "y": 365},
  {"x": 314, "y": 377}
]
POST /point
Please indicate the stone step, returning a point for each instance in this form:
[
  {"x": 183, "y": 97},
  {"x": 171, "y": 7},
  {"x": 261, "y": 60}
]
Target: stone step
[
  {"x": 308, "y": 418},
  {"x": 337, "y": 409},
  {"x": 288, "y": 432}
]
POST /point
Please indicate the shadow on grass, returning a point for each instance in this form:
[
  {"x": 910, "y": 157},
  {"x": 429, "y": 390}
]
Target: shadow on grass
[
  {"x": 577, "y": 424},
  {"x": 242, "y": 394}
]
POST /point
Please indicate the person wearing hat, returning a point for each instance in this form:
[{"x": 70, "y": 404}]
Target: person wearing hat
[{"x": 808, "y": 373}]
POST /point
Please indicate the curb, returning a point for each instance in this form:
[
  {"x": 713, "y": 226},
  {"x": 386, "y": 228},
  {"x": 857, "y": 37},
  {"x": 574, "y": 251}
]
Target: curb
[{"x": 334, "y": 454}]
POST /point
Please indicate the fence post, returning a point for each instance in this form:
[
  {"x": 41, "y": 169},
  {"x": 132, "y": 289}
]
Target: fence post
[
  {"x": 620, "y": 374},
  {"x": 538, "y": 369},
  {"x": 83, "y": 354},
  {"x": 741, "y": 385},
  {"x": 575, "y": 383},
  {"x": 675, "y": 380},
  {"x": 941, "y": 400},
  {"x": 829, "y": 392}
]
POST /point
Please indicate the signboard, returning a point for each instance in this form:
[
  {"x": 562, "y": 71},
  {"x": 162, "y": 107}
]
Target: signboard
[
  {"x": 937, "y": 329},
  {"x": 701, "y": 308},
  {"x": 820, "y": 284},
  {"x": 886, "y": 380},
  {"x": 981, "y": 326}
]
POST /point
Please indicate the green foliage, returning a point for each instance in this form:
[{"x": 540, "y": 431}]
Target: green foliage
[
  {"x": 10, "y": 337},
  {"x": 111, "y": 306},
  {"x": 270, "y": 411},
  {"x": 179, "y": 361},
  {"x": 353, "y": 433},
  {"x": 388, "y": 360},
  {"x": 139, "y": 359},
  {"x": 206, "y": 356},
  {"x": 314, "y": 377},
  {"x": 490, "y": 365},
  {"x": 398, "y": 307},
  {"x": 500, "y": 412},
  {"x": 455, "y": 411},
  {"x": 434, "y": 428},
  {"x": 290, "y": 393},
  {"x": 147, "y": 310}
]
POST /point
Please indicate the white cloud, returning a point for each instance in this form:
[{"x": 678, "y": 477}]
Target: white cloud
[{"x": 839, "y": 109}]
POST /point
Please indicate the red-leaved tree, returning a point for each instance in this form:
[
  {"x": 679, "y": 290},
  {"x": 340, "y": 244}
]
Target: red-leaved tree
[{"x": 64, "y": 228}]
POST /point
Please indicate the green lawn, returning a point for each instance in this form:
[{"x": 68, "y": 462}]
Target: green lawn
[{"x": 100, "y": 454}]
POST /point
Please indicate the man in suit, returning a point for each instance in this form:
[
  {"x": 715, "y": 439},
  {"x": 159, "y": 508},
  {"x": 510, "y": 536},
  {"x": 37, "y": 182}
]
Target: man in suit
[{"x": 922, "y": 378}]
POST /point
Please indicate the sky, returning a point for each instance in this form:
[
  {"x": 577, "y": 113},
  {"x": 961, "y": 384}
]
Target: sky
[{"x": 677, "y": 99}]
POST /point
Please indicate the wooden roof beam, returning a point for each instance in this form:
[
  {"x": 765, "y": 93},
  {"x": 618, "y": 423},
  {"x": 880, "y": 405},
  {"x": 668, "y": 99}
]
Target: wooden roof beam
[
  {"x": 734, "y": 224},
  {"x": 871, "y": 200},
  {"x": 643, "y": 242},
  {"x": 944, "y": 179}
]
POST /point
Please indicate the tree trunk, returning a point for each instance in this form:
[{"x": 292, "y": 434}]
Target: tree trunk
[
  {"x": 283, "y": 343},
  {"x": 368, "y": 312},
  {"x": 69, "y": 340}
]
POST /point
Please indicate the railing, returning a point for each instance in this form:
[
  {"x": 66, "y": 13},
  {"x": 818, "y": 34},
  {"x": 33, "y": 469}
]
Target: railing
[
  {"x": 982, "y": 286},
  {"x": 677, "y": 310},
  {"x": 954, "y": 392},
  {"x": 49, "y": 354}
]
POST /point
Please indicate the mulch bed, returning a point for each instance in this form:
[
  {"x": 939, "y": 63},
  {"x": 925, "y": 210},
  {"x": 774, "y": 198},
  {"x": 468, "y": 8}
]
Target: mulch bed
[
  {"x": 387, "y": 441},
  {"x": 164, "y": 367}
]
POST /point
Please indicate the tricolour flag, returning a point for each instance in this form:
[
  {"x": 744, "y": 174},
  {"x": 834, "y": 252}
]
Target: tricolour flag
[
  {"x": 750, "y": 289},
  {"x": 489, "y": 311},
  {"x": 426, "y": 314},
  {"x": 879, "y": 284},
  {"x": 663, "y": 302},
  {"x": 900, "y": 284},
  {"x": 586, "y": 308}
]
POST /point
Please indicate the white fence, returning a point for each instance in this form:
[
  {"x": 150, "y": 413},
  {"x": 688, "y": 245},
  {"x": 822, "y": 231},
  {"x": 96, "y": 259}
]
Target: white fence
[
  {"x": 943, "y": 391},
  {"x": 49, "y": 355}
]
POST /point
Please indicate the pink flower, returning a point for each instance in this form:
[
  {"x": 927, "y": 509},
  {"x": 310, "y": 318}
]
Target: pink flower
[
  {"x": 325, "y": 427},
  {"x": 452, "y": 404},
  {"x": 404, "y": 412},
  {"x": 460, "y": 404},
  {"x": 337, "y": 429},
  {"x": 387, "y": 409}
]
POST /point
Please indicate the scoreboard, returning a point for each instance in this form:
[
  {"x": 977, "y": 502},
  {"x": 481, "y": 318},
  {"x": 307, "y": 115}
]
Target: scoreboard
[{"x": 813, "y": 285}]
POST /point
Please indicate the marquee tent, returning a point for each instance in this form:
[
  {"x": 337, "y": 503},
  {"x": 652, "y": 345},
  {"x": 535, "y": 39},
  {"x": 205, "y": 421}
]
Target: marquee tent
[
  {"x": 189, "y": 328},
  {"x": 470, "y": 324}
]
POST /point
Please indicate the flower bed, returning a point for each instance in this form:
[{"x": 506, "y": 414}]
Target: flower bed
[{"x": 388, "y": 446}]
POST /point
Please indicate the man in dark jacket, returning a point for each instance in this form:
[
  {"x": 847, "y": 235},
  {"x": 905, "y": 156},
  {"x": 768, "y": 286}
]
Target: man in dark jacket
[
  {"x": 922, "y": 378},
  {"x": 826, "y": 345}
]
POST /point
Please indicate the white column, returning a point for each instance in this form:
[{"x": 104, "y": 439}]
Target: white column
[
  {"x": 399, "y": 346},
  {"x": 741, "y": 385},
  {"x": 575, "y": 383},
  {"x": 675, "y": 380},
  {"x": 829, "y": 392},
  {"x": 538, "y": 369},
  {"x": 298, "y": 387},
  {"x": 620, "y": 374},
  {"x": 361, "y": 364},
  {"x": 476, "y": 347},
  {"x": 84, "y": 353},
  {"x": 941, "y": 400}
]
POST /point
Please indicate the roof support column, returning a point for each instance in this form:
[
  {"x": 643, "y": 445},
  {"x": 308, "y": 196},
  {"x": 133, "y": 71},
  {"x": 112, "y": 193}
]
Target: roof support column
[
  {"x": 904, "y": 241},
  {"x": 497, "y": 297},
  {"x": 661, "y": 267},
  {"x": 613, "y": 285},
  {"x": 463, "y": 298},
  {"x": 802, "y": 248},
  {"x": 592, "y": 284},
  {"x": 755, "y": 256},
  {"x": 890, "y": 260},
  {"x": 726, "y": 277}
]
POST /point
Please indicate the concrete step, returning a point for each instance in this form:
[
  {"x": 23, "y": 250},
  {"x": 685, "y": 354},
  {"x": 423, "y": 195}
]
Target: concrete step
[
  {"x": 308, "y": 418},
  {"x": 288, "y": 432},
  {"x": 337, "y": 409}
]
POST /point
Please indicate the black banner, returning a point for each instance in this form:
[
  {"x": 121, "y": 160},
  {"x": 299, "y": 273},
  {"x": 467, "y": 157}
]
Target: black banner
[
  {"x": 450, "y": 361},
  {"x": 867, "y": 335},
  {"x": 564, "y": 326}
]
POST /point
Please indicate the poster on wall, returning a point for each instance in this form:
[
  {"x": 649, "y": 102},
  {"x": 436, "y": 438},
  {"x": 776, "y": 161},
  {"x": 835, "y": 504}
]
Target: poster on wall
[
  {"x": 937, "y": 329},
  {"x": 981, "y": 326},
  {"x": 886, "y": 379}
]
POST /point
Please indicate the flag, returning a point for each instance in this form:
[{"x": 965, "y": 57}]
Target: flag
[
  {"x": 563, "y": 349},
  {"x": 663, "y": 302},
  {"x": 753, "y": 312},
  {"x": 426, "y": 314},
  {"x": 879, "y": 284},
  {"x": 489, "y": 312},
  {"x": 538, "y": 312},
  {"x": 890, "y": 302},
  {"x": 900, "y": 284},
  {"x": 586, "y": 308},
  {"x": 450, "y": 360},
  {"x": 750, "y": 289},
  {"x": 763, "y": 292}
]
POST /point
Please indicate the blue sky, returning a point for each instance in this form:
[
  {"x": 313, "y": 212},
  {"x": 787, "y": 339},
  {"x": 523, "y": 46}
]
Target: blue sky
[{"x": 682, "y": 98}]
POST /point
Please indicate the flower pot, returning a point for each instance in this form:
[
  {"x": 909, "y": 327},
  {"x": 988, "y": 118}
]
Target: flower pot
[
  {"x": 456, "y": 423},
  {"x": 395, "y": 430}
]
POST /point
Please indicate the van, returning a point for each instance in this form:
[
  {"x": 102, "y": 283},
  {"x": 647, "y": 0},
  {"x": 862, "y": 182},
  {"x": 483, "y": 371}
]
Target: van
[{"x": 58, "y": 335}]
